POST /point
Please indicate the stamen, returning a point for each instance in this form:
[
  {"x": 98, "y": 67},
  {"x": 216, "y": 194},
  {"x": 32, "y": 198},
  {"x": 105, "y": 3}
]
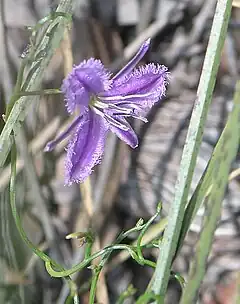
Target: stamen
[
  {"x": 116, "y": 123},
  {"x": 97, "y": 103},
  {"x": 121, "y": 114},
  {"x": 115, "y": 106},
  {"x": 140, "y": 118},
  {"x": 97, "y": 111},
  {"x": 129, "y": 105},
  {"x": 123, "y": 98},
  {"x": 134, "y": 116},
  {"x": 110, "y": 119},
  {"x": 121, "y": 109}
]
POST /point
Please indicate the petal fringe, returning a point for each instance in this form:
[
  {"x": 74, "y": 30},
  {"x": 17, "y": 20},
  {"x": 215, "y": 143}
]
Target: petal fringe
[
  {"x": 134, "y": 61},
  {"x": 144, "y": 87},
  {"x": 88, "y": 78},
  {"x": 129, "y": 136},
  {"x": 86, "y": 148}
]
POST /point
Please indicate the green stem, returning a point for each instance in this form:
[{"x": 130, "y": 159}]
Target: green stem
[
  {"x": 94, "y": 281},
  {"x": 223, "y": 156},
  {"x": 40, "y": 92},
  {"x": 85, "y": 262},
  {"x": 192, "y": 145},
  {"x": 17, "y": 111},
  {"x": 143, "y": 231},
  {"x": 126, "y": 294},
  {"x": 38, "y": 252},
  {"x": 88, "y": 250},
  {"x": 17, "y": 88},
  {"x": 106, "y": 257},
  {"x": 179, "y": 278},
  {"x": 148, "y": 263},
  {"x": 20, "y": 229}
]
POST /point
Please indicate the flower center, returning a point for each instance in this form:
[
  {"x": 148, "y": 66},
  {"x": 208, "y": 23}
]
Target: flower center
[
  {"x": 115, "y": 112},
  {"x": 110, "y": 112}
]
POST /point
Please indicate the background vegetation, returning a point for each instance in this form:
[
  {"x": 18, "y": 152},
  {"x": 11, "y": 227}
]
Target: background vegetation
[{"x": 159, "y": 224}]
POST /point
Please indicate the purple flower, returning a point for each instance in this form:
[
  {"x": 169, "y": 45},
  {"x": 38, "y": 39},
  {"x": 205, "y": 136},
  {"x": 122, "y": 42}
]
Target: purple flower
[{"x": 104, "y": 103}]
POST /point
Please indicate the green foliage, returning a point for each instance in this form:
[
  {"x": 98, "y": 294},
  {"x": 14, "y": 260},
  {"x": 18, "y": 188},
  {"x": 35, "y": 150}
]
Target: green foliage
[
  {"x": 45, "y": 38},
  {"x": 191, "y": 148},
  {"x": 215, "y": 179},
  {"x": 44, "y": 41}
]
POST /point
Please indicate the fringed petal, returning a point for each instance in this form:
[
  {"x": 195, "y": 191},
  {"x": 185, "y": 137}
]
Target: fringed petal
[
  {"x": 133, "y": 62},
  {"x": 143, "y": 87},
  {"x": 86, "y": 148},
  {"x": 128, "y": 136},
  {"x": 52, "y": 144},
  {"x": 87, "y": 79}
]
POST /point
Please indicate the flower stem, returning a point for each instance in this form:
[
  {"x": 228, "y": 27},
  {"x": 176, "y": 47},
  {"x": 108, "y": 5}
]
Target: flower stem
[
  {"x": 49, "y": 43},
  {"x": 17, "y": 88},
  {"x": 191, "y": 148},
  {"x": 141, "y": 234},
  {"x": 38, "y": 252},
  {"x": 94, "y": 282},
  {"x": 20, "y": 229},
  {"x": 40, "y": 93}
]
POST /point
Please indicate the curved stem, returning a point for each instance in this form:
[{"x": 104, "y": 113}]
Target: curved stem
[
  {"x": 141, "y": 234},
  {"x": 20, "y": 229},
  {"x": 40, "y": 92},
  {"x": 85, "y": 262},
  {"x": 17, "y": 88},
  {"x": 94, "y": 281},
  {"x": 38, "y": 252},
  {"x": 149, "y": 263}
]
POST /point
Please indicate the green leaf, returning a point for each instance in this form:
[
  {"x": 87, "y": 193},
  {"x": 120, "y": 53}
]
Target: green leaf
[
  {"x": 216, "y": 177},
  {"x": 148, "y": 296},
  {"x": 191, "y": 148},
  {"x": 126, "y": 294},
  {"x": 204, "y": 188},
  {"x": 50, "y": 42}
]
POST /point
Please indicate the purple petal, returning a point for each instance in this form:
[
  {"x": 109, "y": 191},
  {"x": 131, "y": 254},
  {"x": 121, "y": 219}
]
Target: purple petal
[
  {"x": 143, "y": 87},
  {"x": 88, "y": 78},
  {"x": 86, "y": 148},
  {"x": 128, "y": 136},
  {"x": 52, "y": 144},
  {"x": 134, "y": 61}
]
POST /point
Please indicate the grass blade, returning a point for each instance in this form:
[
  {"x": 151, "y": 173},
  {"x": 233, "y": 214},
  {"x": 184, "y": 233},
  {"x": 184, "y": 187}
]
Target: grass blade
[
  {"x": 191, "y": 148},
  {"x": 204, "y": 186},
  {"x": 19, "y": 111},
  {"x": 223, "y": 155}
]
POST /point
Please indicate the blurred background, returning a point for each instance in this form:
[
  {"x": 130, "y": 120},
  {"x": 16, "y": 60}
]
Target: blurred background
[{"x": 129, "y": 183}]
